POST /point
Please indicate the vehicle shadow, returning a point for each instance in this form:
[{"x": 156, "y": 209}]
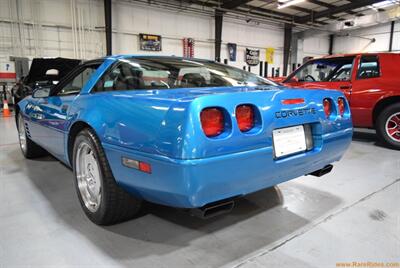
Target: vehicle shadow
[
  {"x": 367, "y": 136},
  {"x": 170, "y": 237},
  {"x": 364, "y": 136}
]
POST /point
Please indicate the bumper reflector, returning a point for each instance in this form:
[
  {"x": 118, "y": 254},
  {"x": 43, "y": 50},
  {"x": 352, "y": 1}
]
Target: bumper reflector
[
  {"x": 135, "y": 164},
  {"x": 145, "y": 167}
]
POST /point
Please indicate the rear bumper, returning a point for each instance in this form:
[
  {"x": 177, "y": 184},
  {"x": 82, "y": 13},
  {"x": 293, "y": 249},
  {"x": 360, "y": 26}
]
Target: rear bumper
[{"x": 195, "y": 183}]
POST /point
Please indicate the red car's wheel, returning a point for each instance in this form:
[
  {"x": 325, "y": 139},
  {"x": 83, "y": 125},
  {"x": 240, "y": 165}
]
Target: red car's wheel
[
  {"x": 388, "y": 126},
  {"x": 393, "y": 127}
]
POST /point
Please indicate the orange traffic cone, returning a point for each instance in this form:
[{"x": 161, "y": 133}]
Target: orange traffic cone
[{"x": 6, "y": 110}]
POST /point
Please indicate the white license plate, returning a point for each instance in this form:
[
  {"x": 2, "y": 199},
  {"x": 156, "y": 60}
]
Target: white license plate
[{"x": 289, "y": 140}]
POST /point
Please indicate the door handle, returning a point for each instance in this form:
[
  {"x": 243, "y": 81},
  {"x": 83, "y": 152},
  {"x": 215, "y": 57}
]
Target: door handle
[{"x": 345, "y": 87}]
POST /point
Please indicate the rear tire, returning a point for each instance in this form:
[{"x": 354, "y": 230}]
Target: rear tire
[
  {"x": 102, "y": 200},
  {"x": 388, "y": 126},
  {"x": 28, "y": 148}
]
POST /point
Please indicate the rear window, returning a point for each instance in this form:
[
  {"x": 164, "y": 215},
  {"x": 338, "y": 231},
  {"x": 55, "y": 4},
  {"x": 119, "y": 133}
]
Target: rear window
[{"x": 166, "y": 73}]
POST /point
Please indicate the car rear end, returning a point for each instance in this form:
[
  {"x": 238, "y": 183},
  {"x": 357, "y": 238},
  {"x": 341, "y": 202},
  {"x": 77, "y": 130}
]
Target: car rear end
[{"x": 216, "y": 147}]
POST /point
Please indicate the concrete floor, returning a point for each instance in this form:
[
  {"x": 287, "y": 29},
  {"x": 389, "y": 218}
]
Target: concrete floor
[{"x": 352, "y": 214}]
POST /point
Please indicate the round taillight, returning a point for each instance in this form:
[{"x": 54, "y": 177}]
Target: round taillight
[
  {"x": 341, "y": 105},
  {"x": 245, "y": 117},
  {"x": 212, "y": 121},
  {"x": 327, "y": 107}
]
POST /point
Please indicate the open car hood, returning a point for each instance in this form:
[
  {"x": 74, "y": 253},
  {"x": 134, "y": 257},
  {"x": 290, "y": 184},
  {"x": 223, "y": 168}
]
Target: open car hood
[{"x": 40, "y": 66}]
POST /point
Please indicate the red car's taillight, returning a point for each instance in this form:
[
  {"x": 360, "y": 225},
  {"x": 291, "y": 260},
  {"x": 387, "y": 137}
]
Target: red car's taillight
[
  {"x": 212, "y": 121},
  {"x": 245, "y": 117},
  {"x": 341, "y": 105},
  {"x": 327, "y": 107}
]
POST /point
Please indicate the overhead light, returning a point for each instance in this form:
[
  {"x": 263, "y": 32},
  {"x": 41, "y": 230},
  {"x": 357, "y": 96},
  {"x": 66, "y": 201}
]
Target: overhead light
[
  {"x": 383, "y": 4},
  {"x": 287, "y": 3}
]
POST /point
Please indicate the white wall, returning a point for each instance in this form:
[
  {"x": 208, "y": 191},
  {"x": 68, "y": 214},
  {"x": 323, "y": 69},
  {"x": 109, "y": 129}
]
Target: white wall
[
  {"x": 46, "y": 31},
  {"x": 381, "y": 32}
]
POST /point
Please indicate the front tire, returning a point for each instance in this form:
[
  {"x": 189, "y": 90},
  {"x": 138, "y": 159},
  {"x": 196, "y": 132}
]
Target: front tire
[
  {"x": 102, "y": 200},
  {"x": 28, "y": 148},
  {"x": 388, "y": 126}
]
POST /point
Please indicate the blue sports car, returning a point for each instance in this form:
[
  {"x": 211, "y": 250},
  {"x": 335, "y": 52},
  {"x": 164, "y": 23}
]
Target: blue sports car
[{"x": 186, "y": 133}]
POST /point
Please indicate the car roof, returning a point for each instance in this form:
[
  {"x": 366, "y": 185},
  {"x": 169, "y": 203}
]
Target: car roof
[
  {"x": 129, "y": 56},
  {"x": 355, "y": 54}
]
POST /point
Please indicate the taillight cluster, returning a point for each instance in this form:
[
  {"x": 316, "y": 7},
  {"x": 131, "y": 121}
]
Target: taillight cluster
[
  {"x": 341, "y": 105},
  {"x": 213, "y": 121},
  {"x": 245, "y": 117},
  {"x": 329, "y": 106}
]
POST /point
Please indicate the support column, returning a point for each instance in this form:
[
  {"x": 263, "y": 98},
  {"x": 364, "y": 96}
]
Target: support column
[
  {"x": 331, "y": 41},
  {"x": 286, "y": 47},
  {"x": 294, "y": 50},
  {"x": 108, "y": 26},
  {"x": 391, "y": 36},
  {"x": 218, "y": 34}
]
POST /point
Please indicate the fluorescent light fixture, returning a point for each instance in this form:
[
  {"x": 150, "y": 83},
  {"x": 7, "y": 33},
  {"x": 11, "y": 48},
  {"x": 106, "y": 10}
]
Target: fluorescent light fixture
[
  {"x": 384, "y": 4},
  {"x": 283, "y": 4}
]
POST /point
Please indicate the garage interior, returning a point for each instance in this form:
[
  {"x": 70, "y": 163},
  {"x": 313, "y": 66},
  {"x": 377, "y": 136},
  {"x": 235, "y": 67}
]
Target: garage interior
[{"x": 348, "y": 216}]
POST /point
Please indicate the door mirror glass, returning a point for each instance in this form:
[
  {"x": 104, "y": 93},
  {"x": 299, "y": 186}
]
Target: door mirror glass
[{"x": 41, "y": 92}]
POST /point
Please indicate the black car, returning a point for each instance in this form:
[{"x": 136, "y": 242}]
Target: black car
[{"x": 43, "y": 72}]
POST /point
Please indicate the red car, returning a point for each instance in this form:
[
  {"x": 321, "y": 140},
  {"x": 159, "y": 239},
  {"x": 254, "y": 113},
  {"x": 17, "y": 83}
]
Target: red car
[{"x": 371, "y": 83}]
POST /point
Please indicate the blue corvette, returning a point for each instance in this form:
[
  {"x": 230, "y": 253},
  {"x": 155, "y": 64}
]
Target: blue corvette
[{"x": 185, "y": 133}]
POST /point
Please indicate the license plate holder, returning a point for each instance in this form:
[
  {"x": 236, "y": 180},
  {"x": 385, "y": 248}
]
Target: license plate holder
[{"x": 289, "y": 140}]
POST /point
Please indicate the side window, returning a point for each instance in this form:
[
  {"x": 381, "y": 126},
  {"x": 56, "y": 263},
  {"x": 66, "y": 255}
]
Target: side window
[
  {"x": 77, "y": 83},
  {"x": 342, "y": 74},
  {"x": 369, "y": 67},
  {"x": 122, "y": 77}
]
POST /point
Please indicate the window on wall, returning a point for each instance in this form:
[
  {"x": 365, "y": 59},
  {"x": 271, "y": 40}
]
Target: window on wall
[{"x": 369, "y": 67}]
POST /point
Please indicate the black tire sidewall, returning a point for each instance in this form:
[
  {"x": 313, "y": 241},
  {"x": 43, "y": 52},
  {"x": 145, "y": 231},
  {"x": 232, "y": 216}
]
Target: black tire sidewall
[
  {"x": 86, "y": 136},
  {"x": 381, "y": 126}
]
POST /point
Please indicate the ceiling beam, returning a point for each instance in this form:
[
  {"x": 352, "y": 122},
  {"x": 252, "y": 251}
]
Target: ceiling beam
[
  {"x": 269, "y": 12},
  {"x": 232, "y": 4},
  {"x": 309, "y": 11},
  {"x": 323, "y": 4},
  {"x": 335, "y": 10},
  {"x": 252, "y": 10}
]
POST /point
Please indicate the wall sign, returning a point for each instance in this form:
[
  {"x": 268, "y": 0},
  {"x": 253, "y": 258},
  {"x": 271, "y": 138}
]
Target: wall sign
[
  {"x": 150, "y": 42},
  {"x": 252, "y": 57},
  {"x": 269, "y": 55},
  {"x": 188, "y": 47},
  {"x": 232, "y": 51}
]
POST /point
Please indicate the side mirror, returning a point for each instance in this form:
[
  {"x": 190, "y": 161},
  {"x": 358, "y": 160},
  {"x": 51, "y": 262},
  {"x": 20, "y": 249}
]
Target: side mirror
[{"x": 41, "y": 92}]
